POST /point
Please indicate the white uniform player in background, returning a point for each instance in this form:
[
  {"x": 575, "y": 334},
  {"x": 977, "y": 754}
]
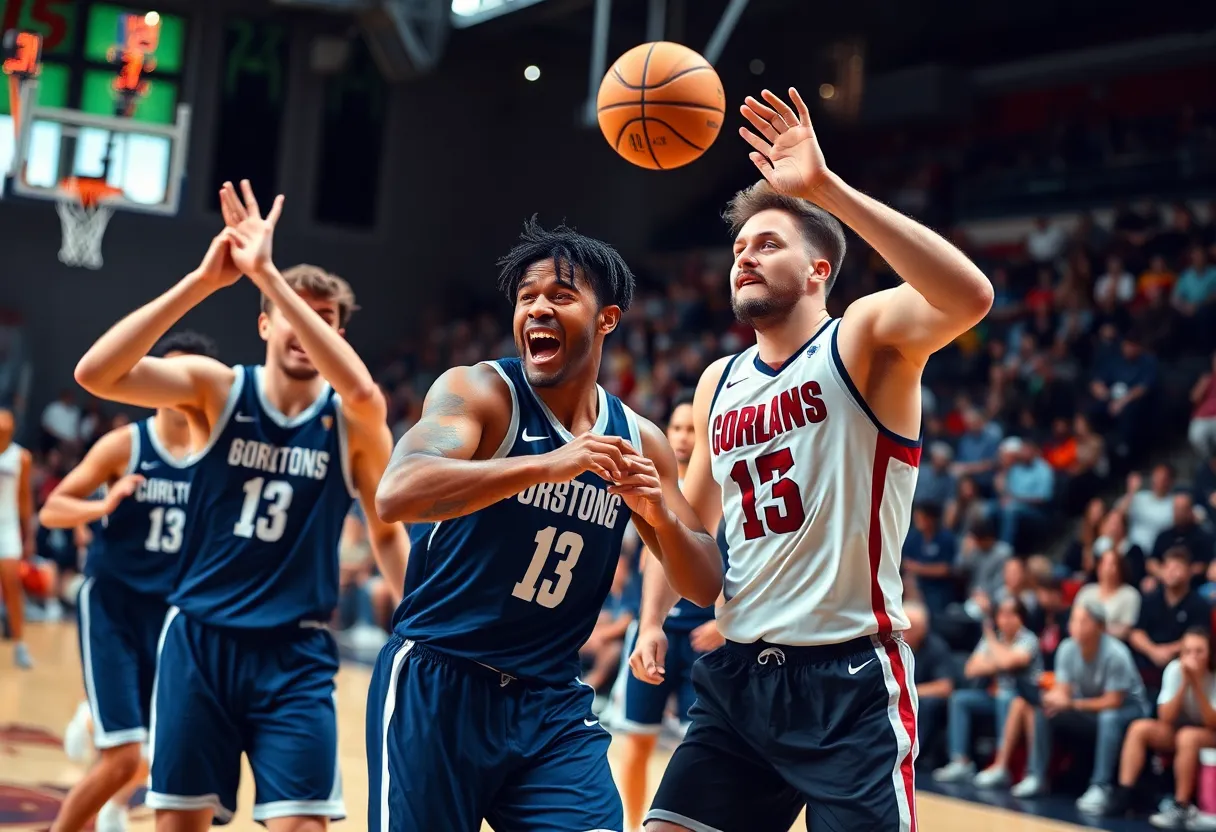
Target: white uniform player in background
[
  {"x": 807, "y": 448},
  {"x": 16, "y": 532}
]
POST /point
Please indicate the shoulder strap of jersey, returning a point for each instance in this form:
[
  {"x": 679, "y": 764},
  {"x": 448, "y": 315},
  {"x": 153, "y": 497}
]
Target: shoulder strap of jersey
[
  {"x": 234, "y": 397},
  {"x": 635, "y": 430},
  {"x": 730, "y": 365},
  {"x": 508, "y": 440},
  {"x": 136, "y": 430},
  {"x": 344, "y": 447}
]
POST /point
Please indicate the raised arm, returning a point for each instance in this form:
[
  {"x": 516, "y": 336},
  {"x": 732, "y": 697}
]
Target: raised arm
[
  {"x": 334, "y": 357},
  {"x": 945, "y": 293},
  {"x": 390, "y": 544},
  {"x": 69, "y": 506},
  {"x": 117, "y": 367},
  {"x": 668, "y": 525}
]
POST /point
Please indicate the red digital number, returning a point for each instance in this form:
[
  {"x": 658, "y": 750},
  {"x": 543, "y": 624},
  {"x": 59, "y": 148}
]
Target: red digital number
[{"x": 783, "y": 519}]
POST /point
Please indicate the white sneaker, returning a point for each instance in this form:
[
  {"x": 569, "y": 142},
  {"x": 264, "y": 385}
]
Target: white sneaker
[
  {"x": 956, "y": 771},
  {"x": 76, "y": 739},
  {"x": 21, "y": 657},
  {"x": 991, "y": 778},
  {"x": 1201, "y": 822},
  {"x": 54, "y": 610},
  {"x": 1030, "y": 786},
  {"x": 112, "y": 818},
  {"x": 1173, "y": 816},
  {"x": 1094, "y": 801}
]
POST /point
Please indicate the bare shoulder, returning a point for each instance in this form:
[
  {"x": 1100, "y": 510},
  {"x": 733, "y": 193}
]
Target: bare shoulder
[
  {"x": 713, "y": 374},
  {"x": 112, "y": 451},
  {"x": 468, "y": 389}
]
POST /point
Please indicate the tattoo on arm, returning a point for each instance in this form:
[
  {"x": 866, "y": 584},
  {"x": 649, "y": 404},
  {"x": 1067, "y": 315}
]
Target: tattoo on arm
[
  {"x": 441, "y": 507},
  {"x": 428, "y": 437}
]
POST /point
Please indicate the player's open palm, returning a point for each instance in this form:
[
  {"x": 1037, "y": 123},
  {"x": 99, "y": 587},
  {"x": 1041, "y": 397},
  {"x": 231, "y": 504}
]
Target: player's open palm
[
  {"x": 121, "y": 490},
  {"x": 786, "y": 151},
  {"x": 251, "y": 235}
]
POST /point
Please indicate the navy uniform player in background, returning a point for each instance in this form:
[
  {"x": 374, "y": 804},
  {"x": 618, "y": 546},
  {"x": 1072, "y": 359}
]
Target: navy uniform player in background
[
  {"x": 143, "y": 472},
  {"x": 689, "y": 632},
  {"x": 475, "y": 711},
  {"x": 245, "y": 663}
]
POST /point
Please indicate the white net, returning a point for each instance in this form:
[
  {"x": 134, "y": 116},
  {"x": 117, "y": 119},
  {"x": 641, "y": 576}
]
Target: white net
[{"x": 83, "y": 230}]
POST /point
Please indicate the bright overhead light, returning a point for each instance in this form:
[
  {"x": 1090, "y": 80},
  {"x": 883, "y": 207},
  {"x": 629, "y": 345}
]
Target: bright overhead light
[{"x": 532, "y": 72}]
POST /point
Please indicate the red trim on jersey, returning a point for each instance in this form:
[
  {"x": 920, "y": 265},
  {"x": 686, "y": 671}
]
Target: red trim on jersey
[
  {"x": 907, "y": 716},
  {"x": 885, "y": 450}
]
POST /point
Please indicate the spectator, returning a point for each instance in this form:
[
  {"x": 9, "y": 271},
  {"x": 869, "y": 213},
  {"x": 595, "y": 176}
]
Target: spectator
[
  {"x": 1046, "y": 241},
  {"x": 1165, "y": 614},
  {"x": 935, "y": 483},
  {"x": 1116, "y": 282},
  {"x": 1024, "y": 489},
  {"x": 1080, "y": 560},
  {"x": 1159, "y": 278},
  {"x": 982, "y": 559},
  {"x": 1196, "y": 286},
  {"x": 1117, "y": 598},
  {"x": 928, "y": 555},
  {"x": 1121, "y": 390},
  {"x": 61, "y": 423},
  {"x": 1150, "y": 512},
  {"x": 976, "y": 455},
  {"x": 1202, "y": 430},
  {"x": 1185, "y": 722},
  {"x": 1096, "y": 694},
  {"x": 1054, "y": 612},
  {"x": 1010, "y": 653},
  {"x": 966, "y": 509},
  {"x": 1204, "y": 486},
  {"x": 1187, "y": 532},
  {"x": 933, "y": 673}
]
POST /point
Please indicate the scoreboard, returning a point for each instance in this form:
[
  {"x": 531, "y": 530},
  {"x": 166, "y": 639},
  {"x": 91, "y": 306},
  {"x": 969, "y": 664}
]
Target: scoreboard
[{"x": 78, "y": 40}]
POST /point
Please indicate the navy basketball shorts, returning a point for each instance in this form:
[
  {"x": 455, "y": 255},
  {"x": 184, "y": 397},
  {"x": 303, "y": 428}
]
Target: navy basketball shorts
[
  {"x": 118, "y": 632},
  {"x": 451, "y": 742},
  {"x": 268, "y": 694},
  {"x": 777, "y": 728},
  {"x": 638, "y": 706}
]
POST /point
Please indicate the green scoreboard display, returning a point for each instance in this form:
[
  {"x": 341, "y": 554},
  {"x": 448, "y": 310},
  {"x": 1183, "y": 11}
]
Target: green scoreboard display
[{"x": 78, "y": 42}]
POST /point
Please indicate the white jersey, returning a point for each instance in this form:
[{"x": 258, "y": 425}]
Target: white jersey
[
  {"x": 10, "y": 518},
  {"x": 816, "y": 498}
]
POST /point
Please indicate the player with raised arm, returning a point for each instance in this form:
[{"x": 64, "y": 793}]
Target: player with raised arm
[
  {"x": 246, "y": 664},
  {"x": 143, "y": 472},
  {"x": 521, "y": 476},
  {"x": 807, "y": 450}
]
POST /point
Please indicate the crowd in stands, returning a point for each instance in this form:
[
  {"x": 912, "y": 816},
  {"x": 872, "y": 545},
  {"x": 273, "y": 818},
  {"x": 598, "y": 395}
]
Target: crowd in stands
[{"x": 1037, "y": 425}]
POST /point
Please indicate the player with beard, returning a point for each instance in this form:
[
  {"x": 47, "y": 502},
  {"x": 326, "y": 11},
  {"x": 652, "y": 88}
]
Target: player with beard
[
  {"x": 521, "y": 477},
  {"x": 807, "y": 452},
  {"x": 245, "y": 663}
]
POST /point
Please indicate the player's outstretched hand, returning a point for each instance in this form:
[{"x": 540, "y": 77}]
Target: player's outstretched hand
[
  {"x": 641, "y": 489},
  {"x": 603, "y": 455},
  {"x": 786, "y": 151},
  {"x": 251, "y": 236},
  {"x": 218, "y": 268},
  {"x": 121, "y": 490},
  {"x": 649, "y": 656}
]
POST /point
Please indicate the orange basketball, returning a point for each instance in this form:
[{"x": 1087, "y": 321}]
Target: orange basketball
[
  {"x": 661, "y": 105},
  {"x": 35, "y": 581}
]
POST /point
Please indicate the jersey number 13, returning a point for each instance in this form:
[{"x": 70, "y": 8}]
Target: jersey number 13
[{"x": 551, "y": 592}]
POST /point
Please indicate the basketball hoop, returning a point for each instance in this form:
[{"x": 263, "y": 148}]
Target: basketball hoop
[{"x": 84, "y": 216}]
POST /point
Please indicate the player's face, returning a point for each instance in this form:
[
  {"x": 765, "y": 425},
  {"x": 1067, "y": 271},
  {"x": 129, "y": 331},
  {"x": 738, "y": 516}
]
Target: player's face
[
  {"x": 283, "y": 346},
  {"x": 773, "y": 270},
  {"x": 681, "y": 434},
  {"x": 558, "y": 324}
]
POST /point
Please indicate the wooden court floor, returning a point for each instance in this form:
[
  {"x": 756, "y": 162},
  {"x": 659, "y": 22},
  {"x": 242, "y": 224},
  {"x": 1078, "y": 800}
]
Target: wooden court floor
[{"x": 35, "y": 774}]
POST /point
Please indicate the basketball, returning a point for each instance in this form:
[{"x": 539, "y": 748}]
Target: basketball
[
  {"x": 36, "y": 582},
  {"x": 661, "y": 105}
]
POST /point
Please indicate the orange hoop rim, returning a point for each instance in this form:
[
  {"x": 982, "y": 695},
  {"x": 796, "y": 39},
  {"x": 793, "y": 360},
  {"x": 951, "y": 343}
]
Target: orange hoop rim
[{"x": 89, "y": 191}]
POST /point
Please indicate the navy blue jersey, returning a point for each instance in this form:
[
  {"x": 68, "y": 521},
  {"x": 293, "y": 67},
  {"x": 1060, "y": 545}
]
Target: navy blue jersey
[
  {"x": 269, "y": 496},
  {"x": 140, "y": 543},
  {"x": 518, "y": 585}
]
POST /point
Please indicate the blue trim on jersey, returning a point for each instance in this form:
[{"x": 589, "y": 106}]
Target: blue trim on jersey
[
  {"x": 861, "y": 402},
  {"x": 769, "y": 371}
]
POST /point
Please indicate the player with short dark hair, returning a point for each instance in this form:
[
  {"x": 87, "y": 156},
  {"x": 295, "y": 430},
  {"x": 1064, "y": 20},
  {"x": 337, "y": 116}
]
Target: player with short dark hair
[
  {"x": 807, "y": 448},
  {"x": 520, "y": 479},
  {"x": 140, "y": 474},
  {"x": 246, "y": 664}
]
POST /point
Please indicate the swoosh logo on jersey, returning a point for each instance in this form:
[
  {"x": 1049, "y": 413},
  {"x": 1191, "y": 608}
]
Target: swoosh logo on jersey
[
  {"x": 241, "y": 417},
  {"x": 731, "y": 384},
  {"x": 148, "y": 466},
  {"x": 853, "y": 670},
  {"x": 591, "y": 723},
  {"x": 527, "y": 438}
]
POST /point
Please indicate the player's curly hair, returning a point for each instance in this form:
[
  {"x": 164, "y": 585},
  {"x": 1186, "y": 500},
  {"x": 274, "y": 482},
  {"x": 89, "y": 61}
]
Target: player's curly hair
[
  {"x": 571, "y": 252},
  {"x": 822, "y": 233},
  {"x": 188, "y": 342}
]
